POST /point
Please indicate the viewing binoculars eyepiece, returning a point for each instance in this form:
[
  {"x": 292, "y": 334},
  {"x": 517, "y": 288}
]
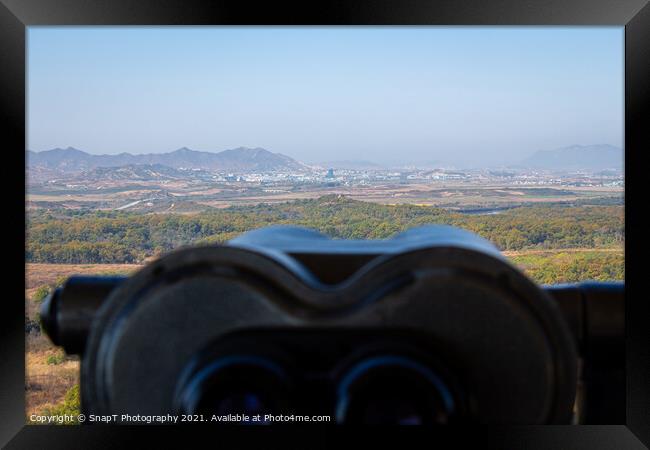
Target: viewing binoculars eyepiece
[{"x": 433, "y": 326}]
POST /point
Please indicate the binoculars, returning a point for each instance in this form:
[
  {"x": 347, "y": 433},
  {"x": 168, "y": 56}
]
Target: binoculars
[{"x": 432, "y": 326}]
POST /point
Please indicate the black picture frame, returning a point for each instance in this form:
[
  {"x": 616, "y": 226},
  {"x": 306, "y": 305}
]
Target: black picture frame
[{"x": 634, "y": 15}]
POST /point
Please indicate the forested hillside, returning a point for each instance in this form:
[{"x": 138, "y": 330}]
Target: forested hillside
[{"x": 119, "y": 237}]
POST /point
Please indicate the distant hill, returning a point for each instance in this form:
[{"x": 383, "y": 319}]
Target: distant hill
[
  {"x": 235, "y": 160},
  {"x": 134, "y": 172},
  {"x": 588, "y": 157},
  {"x": 59, "y": 159}
]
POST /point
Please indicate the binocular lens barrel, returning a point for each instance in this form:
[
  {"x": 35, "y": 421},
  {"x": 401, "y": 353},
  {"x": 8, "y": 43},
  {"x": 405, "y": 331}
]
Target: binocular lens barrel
[{"x": 393, "y": 390}]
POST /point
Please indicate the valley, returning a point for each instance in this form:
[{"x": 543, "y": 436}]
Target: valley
[
  {"x": 187, "y": 181},
  {"x": 110, "y": 215}
]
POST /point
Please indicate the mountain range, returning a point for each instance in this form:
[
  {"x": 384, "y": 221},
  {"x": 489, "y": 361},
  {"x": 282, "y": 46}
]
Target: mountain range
[
  {"x": 242, "y": 159},
  {"x": 49, "y": 163},
  {"x": 593, "y": 157}
]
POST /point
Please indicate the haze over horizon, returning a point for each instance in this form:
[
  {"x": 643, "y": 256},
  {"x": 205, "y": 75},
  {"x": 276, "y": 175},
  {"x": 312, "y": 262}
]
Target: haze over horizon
[{"x": 463, "y": 95}]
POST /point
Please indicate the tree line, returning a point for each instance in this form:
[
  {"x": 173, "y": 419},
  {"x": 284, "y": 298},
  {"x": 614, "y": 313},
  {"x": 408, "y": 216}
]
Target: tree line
[{"x": 60, "y": 236}]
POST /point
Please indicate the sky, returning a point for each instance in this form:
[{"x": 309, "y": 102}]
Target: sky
[{"x": 461, "y": 95}]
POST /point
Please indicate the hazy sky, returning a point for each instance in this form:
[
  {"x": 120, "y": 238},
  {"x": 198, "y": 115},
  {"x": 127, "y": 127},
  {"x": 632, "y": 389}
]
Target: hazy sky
[{"x": 457, "y": 94}]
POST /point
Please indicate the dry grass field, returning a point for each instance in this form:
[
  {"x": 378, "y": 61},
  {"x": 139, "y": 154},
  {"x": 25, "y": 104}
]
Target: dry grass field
[
  {"x": 452, "y": 194},
  {"x": 49, "y": 374},
  {"x": 441, "y": 195}
]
